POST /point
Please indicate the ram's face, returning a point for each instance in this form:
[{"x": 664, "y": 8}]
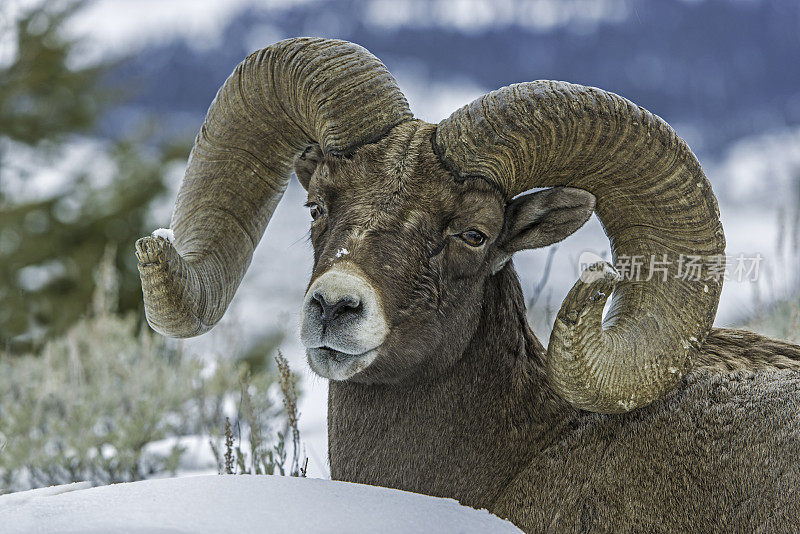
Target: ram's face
[{"x": 401, "y": 256}]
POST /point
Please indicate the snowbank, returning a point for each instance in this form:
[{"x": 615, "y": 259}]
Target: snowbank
[{"x": 238, "y": 503}]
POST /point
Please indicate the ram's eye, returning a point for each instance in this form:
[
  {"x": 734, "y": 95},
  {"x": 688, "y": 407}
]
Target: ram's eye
[
  {"x": 473, "y": 238},
  {"x": 315, "y": 210}
]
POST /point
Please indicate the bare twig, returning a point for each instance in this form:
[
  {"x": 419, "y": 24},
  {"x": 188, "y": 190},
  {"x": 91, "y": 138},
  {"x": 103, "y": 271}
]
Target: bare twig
[
  {"x": 229, "y": 462},
  {"x": 286, "y": 381}
]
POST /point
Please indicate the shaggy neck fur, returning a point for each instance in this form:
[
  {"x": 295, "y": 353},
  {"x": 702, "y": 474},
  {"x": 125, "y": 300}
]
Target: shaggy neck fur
[{"x": 461, "y": 433}]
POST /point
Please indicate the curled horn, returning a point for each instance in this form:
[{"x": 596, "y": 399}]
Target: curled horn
[
  {"x": 277, "y": 102},
  {"x": 652, "y": 199}
]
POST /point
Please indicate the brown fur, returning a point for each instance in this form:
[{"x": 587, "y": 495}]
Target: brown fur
[
  {"x": 458, "y": 405},
  {"x": 735, "y": 350}
]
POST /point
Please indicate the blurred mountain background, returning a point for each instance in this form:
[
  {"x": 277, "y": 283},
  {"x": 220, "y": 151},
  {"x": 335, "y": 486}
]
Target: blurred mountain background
[
  {"x": 720, "y": 69},
  {"x": 100, "y": 100}
]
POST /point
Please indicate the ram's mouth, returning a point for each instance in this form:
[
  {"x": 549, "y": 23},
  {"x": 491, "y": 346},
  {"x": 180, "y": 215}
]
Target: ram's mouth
[{"x": 337, "y": 365}]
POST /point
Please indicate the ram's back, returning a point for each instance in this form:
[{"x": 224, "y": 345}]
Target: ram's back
[
  {"x": 719, "y": 453},
  {"x": 732, "y": 350}
]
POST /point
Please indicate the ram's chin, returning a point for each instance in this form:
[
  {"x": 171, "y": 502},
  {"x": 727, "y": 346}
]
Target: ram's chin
[{"x": 335, "y": 365}]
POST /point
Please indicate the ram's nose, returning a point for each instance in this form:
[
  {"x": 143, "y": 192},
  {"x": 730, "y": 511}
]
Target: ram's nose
[
  {"x": 343, "y": 312},
  {"x": 332, "y": 308}
]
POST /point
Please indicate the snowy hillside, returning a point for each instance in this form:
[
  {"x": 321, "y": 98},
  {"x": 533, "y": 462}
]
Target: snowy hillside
[
  {"x": 718, "y": 70},
  {"x": 241, "y": 504}
]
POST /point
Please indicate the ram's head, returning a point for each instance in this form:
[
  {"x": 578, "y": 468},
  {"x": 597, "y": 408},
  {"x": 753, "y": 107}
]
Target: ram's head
[{"x": 411, "y": 220}]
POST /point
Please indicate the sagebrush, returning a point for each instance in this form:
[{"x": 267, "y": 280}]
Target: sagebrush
[{"x": 110, "y": 401}]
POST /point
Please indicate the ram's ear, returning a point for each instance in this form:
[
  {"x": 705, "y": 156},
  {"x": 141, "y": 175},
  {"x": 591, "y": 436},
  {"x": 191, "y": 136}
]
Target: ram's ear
[
  {"x": 542, "y": 218},
  {"x": 306, "y": 163}
]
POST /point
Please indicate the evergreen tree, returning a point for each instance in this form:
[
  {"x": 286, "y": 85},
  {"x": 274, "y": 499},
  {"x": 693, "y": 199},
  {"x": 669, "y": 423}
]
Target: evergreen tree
[
  {"x": 51, "y": 244},
  {"x": 41, "y": 98}
]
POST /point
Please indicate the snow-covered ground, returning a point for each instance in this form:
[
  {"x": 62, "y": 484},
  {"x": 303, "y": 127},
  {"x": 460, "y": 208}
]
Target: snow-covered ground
[{"x": 238, "y": 503}]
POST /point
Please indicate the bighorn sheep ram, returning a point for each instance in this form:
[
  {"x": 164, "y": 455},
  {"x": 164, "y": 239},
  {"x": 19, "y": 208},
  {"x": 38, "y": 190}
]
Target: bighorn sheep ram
[{"x": 647, "y": 420}]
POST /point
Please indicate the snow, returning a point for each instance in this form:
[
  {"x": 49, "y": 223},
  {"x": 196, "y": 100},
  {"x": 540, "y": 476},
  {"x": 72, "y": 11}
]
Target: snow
[
  {"x": 165, "y": 233},
  {"x": 197, "y": 458},
  {"x": 238, "y": 503},
  {"x": 479, "y": 15},
  {"x": 31, "y": 174},
  {"x": 120, "y": 27},
  {"x": 759, "y": 170},
  {"x": 434, "y": 100},
  {"x": 117, "y": 28},
  {"x": 8, "y": 502}
]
